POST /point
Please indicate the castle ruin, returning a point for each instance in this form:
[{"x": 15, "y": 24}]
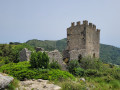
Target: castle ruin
[{"x": 82, "y": 40}]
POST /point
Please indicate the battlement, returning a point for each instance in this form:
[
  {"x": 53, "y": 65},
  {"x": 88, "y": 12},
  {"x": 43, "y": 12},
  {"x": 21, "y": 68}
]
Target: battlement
[
  {"x": 85, "y": 24},
  {"x": 98, "y": 30},
  {"x": 90, "y": 24},
  {"x": 78, "y": 23},
  {"x": 72, "y": 24},
  {"x": 94, "y": 26}
]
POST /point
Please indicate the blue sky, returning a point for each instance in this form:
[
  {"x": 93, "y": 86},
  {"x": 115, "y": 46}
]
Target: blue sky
[{"x": 22, "y": 20}]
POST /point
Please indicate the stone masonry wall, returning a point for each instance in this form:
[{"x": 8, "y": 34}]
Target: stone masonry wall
[{"x": 83, "y": 39}]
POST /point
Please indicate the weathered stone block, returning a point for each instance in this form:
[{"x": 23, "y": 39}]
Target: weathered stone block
[{"x": 25, "y": 55}]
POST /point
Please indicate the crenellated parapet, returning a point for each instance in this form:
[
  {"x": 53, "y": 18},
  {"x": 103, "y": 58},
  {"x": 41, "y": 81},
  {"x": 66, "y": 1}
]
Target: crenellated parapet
[
  {"x": 78, "y": 23},
  {"x": 72, "y": 24},
  {"x": 85, "y": 24},
  {"x": 98, "y": 30}
]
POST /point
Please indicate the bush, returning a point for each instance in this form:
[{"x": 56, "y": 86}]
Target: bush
[
  {"x": 93, "y": 72},
  {"x": 114, "y": 72},
  {"x": 79, "y": 71},
  {"x": 19, "y": 70},
  {"x": 115, "y": 84},
  {"x": 108, "y": 79},
  {"x": 56, "y": 74},
  {"x": 6, "y": 59},
  {"x": 2, "y": 62},
  {"x": 72, "y": 66},
  {"x": 22, "y": 70},
  {"x": 90, "y": 63},
  {"x": 45, "y": 60},
  {"x": 39, "y": 60},
  {"x": 55, "y": 65},
  {"x": 70, "y": 85}
]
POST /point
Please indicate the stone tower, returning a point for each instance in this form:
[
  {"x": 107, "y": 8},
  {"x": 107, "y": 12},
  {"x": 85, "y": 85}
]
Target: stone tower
[{"x": 82, "y": 40}]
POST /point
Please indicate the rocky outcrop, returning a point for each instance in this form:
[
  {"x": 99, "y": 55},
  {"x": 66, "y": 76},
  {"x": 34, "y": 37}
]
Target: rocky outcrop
[
  {"x": 5, "y": 80},
  {"x": 37, "y": 85}
]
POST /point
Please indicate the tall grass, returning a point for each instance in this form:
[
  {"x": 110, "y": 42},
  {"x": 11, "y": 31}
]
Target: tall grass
[{"x": 13, "y": 85}]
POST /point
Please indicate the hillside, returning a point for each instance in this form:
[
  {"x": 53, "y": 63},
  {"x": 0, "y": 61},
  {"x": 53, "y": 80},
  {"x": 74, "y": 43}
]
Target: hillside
[
  {"x": 48, "y": 44},
  {"x": 108, "y": 53}
]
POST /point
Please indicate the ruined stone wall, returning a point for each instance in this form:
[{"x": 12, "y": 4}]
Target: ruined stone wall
[
  {"x": 56, "y": 56},
  {"x": 25, "y": 55},
  {"x": 74, "y": 54}
]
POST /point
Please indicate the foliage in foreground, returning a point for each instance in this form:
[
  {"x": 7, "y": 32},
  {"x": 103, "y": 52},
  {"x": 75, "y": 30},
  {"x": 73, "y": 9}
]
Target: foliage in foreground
[
  {"x": 103, "y": 76},
  {"x": 39, "y": 60},
  {"x": 70, "y": 85},
  {"x": 93, "y": 67},
  {"x": 22, "y": 70},
  {"x": 54, "y": 65},
  {"x": 97, "y": 74},
  {"x": 91, "y": 83}
]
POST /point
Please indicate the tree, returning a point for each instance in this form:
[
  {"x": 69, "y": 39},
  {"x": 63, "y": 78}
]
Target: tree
[{"x": 39, "y": 60}]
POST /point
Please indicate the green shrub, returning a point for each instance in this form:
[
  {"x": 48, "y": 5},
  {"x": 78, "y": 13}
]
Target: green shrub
[
  {"x": 42, "y": 73},
  {"x": 70, "y": 85},
  {"x": 108, "y": 79},
  {"x": 56, "y": 74},
  {"x": 79, "y": 71},
  {"x": 25, "y": 73},
  {"x": 115, "y": 84},
  {"x": 2, "y": 63},
  {"x": 55, "y": 65},
  {"x": 45, "y": 60},
  {"x": 72, "y": 66},
  {"x": 19, "y": 70},
  {"x": 6, "y": 60},
  {"x": 22, "y": 70},
  {"x": 90, "y": 63},
  {"x": 33, "y": 60},
  {"x": 113, "y": 72},
  {"x": 117, "y": 75},
  {"x": 39, "y": 60},
  {"x": 93, "y": 72}
]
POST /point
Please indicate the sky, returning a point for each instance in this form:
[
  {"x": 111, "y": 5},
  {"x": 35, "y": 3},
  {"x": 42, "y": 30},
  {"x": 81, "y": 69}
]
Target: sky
[{"x": 22, "y": 20}]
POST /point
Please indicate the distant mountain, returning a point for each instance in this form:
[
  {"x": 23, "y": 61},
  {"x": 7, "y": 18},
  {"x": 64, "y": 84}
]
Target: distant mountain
[
  {"x": 49, "y": 44},
  {"x": 108, "y": 53}
]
